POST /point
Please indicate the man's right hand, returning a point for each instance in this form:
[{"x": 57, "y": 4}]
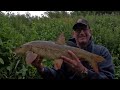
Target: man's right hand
[{"x": 37, "y": 63}]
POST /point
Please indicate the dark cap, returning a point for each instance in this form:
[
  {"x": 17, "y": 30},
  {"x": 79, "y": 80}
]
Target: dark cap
[{"x": 81, "y": 22}]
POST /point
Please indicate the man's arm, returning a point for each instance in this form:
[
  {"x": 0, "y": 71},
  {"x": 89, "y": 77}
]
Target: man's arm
[
  {"x": 51, "y": 73},
  {"x": 45, "y": 72},
  {"x": 106, "y": 68}
]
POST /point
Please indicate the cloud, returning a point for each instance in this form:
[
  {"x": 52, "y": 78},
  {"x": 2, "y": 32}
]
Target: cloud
[{"x": 32, "y": 13}]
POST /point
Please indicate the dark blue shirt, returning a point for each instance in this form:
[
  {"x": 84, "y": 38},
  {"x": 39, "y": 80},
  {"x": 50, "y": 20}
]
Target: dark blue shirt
[{"x": 106, "y": 68}]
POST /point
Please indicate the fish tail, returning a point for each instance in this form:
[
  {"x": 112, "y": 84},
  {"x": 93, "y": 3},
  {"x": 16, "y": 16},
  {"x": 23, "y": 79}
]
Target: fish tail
[
  {"x": 97, "y": 58},
  {"x": 94, "y": 62},
  {"x": 95, "y": 67}
]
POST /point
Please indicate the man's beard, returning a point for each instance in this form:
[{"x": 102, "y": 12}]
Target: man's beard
[{"x": 82, "y": 44}]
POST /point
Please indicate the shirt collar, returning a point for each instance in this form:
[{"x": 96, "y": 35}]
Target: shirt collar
[{"x": 89, "y": 47}]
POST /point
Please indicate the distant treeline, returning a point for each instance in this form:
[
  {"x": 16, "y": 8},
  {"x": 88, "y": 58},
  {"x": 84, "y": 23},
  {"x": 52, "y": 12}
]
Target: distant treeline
[{"x": 58, "y": 14}]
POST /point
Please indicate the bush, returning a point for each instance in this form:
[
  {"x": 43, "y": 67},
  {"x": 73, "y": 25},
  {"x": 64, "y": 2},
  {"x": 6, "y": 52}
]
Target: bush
[{"x": 16, "y": 30}]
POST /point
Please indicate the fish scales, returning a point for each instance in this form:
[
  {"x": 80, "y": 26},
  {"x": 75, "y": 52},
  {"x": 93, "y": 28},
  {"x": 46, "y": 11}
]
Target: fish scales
[{"x": 54, "y": 51}]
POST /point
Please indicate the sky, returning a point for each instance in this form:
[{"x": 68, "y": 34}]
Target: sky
[{"x": 33, "y": 13}]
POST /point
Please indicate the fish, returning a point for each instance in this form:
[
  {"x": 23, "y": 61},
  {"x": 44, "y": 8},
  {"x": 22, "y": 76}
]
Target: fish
[{"x": 54, "y": 50}]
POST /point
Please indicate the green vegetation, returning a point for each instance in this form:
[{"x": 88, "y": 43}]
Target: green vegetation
[{"x": 16, "y": 30}]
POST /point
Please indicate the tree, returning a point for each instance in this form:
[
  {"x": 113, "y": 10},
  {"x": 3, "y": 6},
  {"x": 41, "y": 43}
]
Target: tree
[{"x": 56, "y": 14}]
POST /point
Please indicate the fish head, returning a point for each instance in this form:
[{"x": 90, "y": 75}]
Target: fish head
[{"x": 22, "y": 49}]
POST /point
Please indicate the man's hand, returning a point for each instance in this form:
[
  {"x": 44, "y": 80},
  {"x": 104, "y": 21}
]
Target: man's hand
[
  {"x": 75, "y": 62},
  {"x": 37, "y": 63}
]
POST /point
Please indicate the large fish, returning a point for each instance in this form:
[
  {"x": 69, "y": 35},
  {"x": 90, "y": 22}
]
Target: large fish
[{"x": 53, "y": 50}]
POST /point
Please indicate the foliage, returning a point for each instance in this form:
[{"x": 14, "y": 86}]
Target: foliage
[{"x": 16, "y": 30}]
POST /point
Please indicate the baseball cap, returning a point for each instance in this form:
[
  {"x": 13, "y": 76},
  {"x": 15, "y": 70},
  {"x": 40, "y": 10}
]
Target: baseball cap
[{"x": 81, "y": 22}]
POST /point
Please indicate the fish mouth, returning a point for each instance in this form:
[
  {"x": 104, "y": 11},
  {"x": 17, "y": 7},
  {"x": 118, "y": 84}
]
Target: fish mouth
[{"x": 14, "y": 53}]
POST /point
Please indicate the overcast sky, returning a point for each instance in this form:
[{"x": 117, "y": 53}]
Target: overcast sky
[{"x": 33, "y": 13}]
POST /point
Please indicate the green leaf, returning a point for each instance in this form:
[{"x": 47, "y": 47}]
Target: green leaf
[
  {"x": 1, "y": 42},
  {"x": 9, "y": 68},
  {"x": 1, "y": 61}
]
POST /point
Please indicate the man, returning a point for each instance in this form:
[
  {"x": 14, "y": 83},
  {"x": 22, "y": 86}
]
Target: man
[{"x": 74, "y": 68}]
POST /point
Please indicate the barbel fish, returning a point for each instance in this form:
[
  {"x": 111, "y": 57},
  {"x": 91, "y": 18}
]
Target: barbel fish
[{"x": 54, "y": 51}]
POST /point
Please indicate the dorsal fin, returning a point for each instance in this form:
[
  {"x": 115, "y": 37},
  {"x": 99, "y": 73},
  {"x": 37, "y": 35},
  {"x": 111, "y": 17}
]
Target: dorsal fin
[{"x": 61, "y": 39}]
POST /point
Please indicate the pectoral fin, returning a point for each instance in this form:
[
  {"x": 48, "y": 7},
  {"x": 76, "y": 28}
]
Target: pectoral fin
[
  {"x": 58, "y": 63},
  {"x": 30, "y": 57}
]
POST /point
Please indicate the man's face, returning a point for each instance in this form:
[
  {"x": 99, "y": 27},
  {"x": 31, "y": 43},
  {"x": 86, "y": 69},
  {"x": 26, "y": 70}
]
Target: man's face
[{"x": 82, "y": 35}]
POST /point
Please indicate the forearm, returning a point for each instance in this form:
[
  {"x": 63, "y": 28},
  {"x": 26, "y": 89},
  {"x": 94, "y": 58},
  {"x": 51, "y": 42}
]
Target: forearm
[
  {"x": 51, "y": 74},
  {"x": 47, "y": 73},
  {"x": 94, "y": 75},
  {"x": 105, "y": 72},
  {"x": 106, "y": 68},
  {"x": 89, "y": 74}
]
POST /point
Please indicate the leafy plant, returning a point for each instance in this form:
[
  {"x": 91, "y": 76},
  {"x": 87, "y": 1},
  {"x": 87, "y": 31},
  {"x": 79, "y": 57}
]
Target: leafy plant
[{"x": 16, "y": 30}]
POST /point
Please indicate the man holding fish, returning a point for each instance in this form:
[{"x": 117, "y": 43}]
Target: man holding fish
[{"x": 74, "y": 67}]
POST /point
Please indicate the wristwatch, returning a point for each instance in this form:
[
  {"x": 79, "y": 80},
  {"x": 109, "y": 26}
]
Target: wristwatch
[{"x": 84, "y": 73}]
